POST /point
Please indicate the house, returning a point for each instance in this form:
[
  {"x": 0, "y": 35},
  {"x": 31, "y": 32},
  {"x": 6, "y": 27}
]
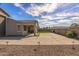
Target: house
[{"x": 10, "y": 26}]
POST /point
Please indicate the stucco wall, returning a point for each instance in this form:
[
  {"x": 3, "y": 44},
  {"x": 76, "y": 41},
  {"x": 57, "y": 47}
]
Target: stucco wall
[
  {"x": 11, "y": 27},
  {"x": 2, "y": 25}
]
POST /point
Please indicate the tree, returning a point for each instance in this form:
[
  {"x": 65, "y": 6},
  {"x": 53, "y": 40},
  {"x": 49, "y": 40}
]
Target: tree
[{"x": 74, "y": 25}]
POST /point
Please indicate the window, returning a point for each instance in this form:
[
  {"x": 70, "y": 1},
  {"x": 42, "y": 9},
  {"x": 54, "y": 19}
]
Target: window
[
  {"x": 19, "y": 28},
  {"x": 25, "y": 27}
]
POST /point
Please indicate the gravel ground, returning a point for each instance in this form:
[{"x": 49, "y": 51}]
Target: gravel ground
[
  {"x": 44, "y": 39},
  {"x": 47, "y": 44},
  {"x": 36, "y": 50}
]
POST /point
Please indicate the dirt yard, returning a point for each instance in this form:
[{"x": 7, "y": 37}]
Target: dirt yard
[
  {"x": 43, "y": 50},
  {"x": 43, "y": 38},
  {"x": 46, "y": 44}
]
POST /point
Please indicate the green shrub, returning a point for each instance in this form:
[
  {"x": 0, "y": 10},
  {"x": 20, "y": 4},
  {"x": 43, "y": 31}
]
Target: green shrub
[{"x": 71, "y": 34}]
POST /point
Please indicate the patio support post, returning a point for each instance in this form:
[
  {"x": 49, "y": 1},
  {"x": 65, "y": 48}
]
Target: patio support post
[
  {"x": 35, "y": 30},
  {"x": 22, "y": 29}
]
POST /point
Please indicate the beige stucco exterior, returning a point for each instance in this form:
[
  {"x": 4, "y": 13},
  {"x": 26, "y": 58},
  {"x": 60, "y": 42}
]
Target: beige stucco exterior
[
  {"x": 12, "y": 27},
  {"x": 9, "y": 26},
  {"x": 2, "y": 25}
]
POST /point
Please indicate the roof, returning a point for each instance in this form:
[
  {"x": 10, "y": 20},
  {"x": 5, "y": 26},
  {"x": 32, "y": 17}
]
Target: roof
[
  {"x": 4, "y": 11},
  {"x": 26, "y": 21}
]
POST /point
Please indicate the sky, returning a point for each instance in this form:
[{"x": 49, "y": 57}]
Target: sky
[{"x": 47, "y": 14}]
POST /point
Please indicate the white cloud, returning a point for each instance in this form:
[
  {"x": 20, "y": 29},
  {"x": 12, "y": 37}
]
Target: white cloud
[
  {"x": 65, "y": 14},
  {"x": 64, "y": 21},
  {"x": 46, "y": 23},
  {"x": 75, "y": 18},
  {"x": 36, "y": 10},
  {"x": 47, "y": 17},
  {"x": 17, "y": 4},
  {"x": 50, "y": 17},
  {"x": 58, "y": 17}
]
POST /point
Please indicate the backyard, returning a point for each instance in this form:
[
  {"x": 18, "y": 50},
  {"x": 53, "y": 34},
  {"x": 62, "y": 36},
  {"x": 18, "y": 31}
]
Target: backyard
[{"x": 44, "y": 44}]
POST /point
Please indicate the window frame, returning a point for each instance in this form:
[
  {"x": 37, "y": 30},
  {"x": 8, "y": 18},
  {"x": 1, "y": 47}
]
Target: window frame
[
  {"x": 24, "y": 28},
  {"x": 18, "y": 28}
]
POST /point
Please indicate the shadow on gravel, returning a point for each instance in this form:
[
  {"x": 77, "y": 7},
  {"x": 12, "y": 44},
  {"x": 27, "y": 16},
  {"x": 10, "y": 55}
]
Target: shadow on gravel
[
  {"x": 39, "y": 50},
  {"x": 15, "y": 37}
]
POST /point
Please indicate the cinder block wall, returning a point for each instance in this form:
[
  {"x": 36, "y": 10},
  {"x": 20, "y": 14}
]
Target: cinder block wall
[{"x": 60, "y": 31}]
